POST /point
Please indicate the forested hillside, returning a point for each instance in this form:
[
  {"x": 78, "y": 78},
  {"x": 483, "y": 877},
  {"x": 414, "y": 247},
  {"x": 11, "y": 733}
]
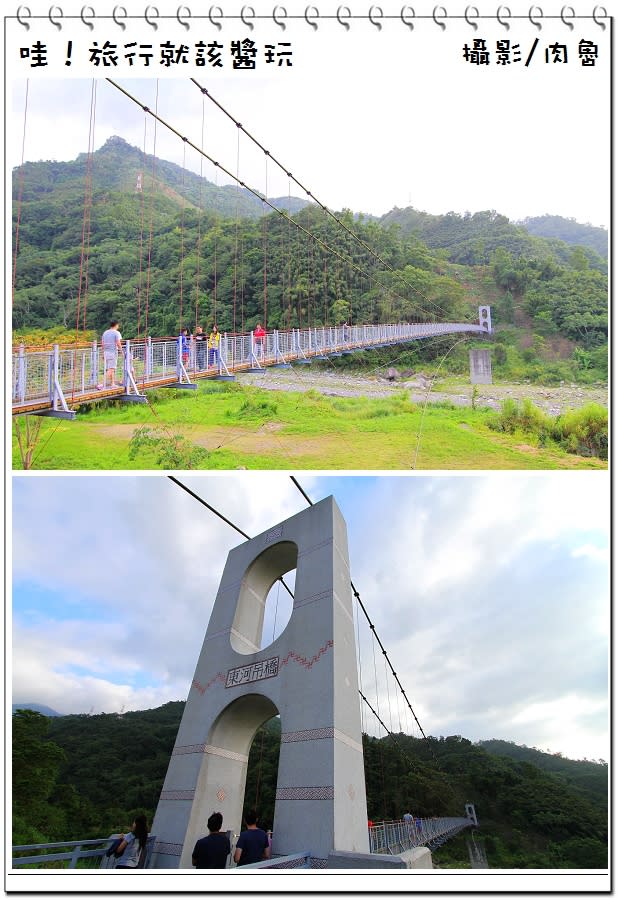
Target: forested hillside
[
  {"x": 181, "y": 251},
  {"x": 569, "y": 231},
  {"x": 471, "y": 238},
  {"x": 82, "y": 776}
]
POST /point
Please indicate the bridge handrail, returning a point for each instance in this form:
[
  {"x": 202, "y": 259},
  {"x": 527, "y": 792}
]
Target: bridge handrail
[
  {"x": 72, "y": 855},
  {"x": 280, "y": 862},
  {"x": 397, "y": 835},
  {"x": 62, "y": 375}
]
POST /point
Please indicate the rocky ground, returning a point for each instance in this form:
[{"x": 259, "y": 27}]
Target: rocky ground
[{"x": 553, "y": 400}]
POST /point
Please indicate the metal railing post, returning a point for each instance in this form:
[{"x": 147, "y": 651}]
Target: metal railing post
[
  {"x": 179, "y": 359},
  {"x": 94, "y": 364},
  {"x": 127, "y": 366},
  {"x": 21, "y": 374}
]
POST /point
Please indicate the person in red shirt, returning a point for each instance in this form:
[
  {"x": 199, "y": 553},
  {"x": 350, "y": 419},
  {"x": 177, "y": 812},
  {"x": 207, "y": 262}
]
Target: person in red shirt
[{"x": 259, "y": 338}]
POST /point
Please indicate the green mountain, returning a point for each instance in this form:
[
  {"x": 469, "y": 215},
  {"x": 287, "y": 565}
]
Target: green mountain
[
  {"x": 587, "y": 776},
  {"x": 569, "y": 231},
  {"x": 87, "y": 776},
  {"x": 179, "y": 250},
  {"x": 37, "y": 707},
  {"x": 472, "y": 238},
  {"x": 117, "y": 165}
]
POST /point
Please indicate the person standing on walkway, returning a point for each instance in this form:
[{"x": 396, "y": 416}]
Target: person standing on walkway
[
  {"x": 212, "y": 851},
  {"x": 252, "y": 845},
  {"x": 184, "y": 346},
  {"x": 213, "y": 346},
  {"x": 259, "y": 337},
  {"x": 111, "y": 343},
  {"x": 132, "y": 848},
  {"x": 200, "y": 347}
]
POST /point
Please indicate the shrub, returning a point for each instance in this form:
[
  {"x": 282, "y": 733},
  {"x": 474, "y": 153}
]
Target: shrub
[
  {"x": 251, "y": 408},
  {"x": 584, "y": 431},
  {"x": 172, "y": 451}
]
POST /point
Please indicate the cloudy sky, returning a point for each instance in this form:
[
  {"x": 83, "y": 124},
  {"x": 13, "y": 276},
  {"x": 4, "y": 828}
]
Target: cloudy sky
[
  {"x": 367, "y": 119},
  {"x": 490, "y": 593}
]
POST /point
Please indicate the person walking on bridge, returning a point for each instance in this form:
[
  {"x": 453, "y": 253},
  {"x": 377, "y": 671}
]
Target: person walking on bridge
[
  {"x": 111, "y": 343},
  {"x": 212, "y": 851},
  {"x": 252, "y": 845}
]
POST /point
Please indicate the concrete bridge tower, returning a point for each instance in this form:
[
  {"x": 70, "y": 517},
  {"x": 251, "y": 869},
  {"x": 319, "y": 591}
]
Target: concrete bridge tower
[{"x": 307, "y": 676}]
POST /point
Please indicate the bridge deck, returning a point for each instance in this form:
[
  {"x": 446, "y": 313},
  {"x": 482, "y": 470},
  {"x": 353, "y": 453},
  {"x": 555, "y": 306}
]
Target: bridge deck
[{"x": 57, "y": 380}]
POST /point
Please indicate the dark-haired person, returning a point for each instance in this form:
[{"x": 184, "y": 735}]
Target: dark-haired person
[
  {"x": 133, "y": 846},
  {"x": 259, "y": 337},
  {"x": 184, "y": 344},
  {"x": 212, "y": 851},
  {"x": 214, "y": 339},
  {"x": 111, "y": 344},
  {"x": 200, "y": 339},
  {"x": 252, "y": 845}
]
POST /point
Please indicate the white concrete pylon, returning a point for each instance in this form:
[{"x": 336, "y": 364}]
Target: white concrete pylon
[{"x": 307, "y": 675}]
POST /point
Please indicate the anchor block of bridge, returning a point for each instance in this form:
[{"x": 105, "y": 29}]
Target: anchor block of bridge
[
  {"x": 56, "y": 381},
  {"x": 307, "y": 676}
]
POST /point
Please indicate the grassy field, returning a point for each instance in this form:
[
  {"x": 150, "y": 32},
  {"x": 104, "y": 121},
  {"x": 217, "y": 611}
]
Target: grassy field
[{"x": 227, "y": 426}]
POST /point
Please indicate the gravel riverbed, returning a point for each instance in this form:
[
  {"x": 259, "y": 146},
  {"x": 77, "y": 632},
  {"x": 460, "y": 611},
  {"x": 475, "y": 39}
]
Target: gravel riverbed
[{"x": 553, "y": 400}]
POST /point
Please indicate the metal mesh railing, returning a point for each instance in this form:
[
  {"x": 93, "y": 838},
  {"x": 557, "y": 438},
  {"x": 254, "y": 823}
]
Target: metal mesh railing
[
  {"x": 396, "y": 837},
  {"x": 40, "y": 376}
]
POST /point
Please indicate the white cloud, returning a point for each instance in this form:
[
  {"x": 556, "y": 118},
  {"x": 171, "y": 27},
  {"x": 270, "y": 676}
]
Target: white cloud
[
  {"x": 483, "y": 590},
  {"x": 599, "y": 554},
  {"x": 335, "y": 121}
]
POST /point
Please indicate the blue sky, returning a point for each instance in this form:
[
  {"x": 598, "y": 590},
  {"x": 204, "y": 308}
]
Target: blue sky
[{"x": 490, "y": 592}]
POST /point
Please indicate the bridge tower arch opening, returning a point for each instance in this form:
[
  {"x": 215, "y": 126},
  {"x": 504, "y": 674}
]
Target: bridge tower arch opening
[
  {"x": 249, "y": 628},
  {"x": 307, "y": 675}
]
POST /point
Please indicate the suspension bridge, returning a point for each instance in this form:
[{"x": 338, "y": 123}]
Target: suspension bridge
[
  {"x": 56, "y": 380},
  {"x": 320, "y": 813}
]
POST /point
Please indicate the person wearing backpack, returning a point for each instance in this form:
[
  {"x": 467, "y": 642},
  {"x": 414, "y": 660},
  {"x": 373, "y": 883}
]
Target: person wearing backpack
[{"x": 132, "y": 847}]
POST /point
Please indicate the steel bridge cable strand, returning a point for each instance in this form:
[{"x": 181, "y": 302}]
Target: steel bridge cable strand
[
  {"x": 255, "y": 193},
  {"x": 221, "y": 516},
  {"x": 339, "y": 222},
  {"x": 239, "y": 530},
  {"x": 246, "y": 536},
  {"x": 371, "y": 625},
  {"x": 21, "y": 190}
]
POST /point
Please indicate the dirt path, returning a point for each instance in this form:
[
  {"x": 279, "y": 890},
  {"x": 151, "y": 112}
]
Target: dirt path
[{"x": 553, "y": 400}]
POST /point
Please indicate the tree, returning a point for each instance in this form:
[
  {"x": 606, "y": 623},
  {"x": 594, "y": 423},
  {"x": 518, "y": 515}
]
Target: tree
[{"x": 36, "y": 764}]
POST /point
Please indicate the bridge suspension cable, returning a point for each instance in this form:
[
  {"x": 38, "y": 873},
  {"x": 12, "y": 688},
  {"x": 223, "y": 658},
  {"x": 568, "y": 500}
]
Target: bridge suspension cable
[
  {"x": 379, "y": 718},
  {"x": 387, "y": 661},
  {"x": 323, "y": 244},
  {"x": 371, "y": 626},
  {"x": 329, "y": 212},
  {"x": 20, "y": 192}
]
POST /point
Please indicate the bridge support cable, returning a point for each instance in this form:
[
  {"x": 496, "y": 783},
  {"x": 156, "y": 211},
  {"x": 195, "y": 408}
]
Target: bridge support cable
[
  {"x": 333, "y": 251},
  {"x": 433, "y": 380},
  {"x": 20, "y": 193},
  {"x": 314, "y": 199},
  {"x": 387, "y": 660},
  {"x": 409, "y": 762},
  {"x": 152, "y": 205},
  {"x": 140, "y": 187},
  {"x": 243, "y": 534},
  {"x": 198, "y": 246}
]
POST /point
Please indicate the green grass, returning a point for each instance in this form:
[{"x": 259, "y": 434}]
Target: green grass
[{"x": 244, "y": 427}]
